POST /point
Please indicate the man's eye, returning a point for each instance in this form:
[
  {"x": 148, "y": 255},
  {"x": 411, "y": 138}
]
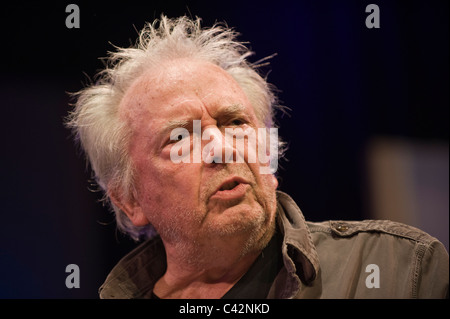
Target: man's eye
[
  {"x": 237, "y": 122},
  {"x": 179, "y": 137}
]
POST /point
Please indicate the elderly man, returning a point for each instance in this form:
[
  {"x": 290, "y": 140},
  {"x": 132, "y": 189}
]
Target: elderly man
[{"x": 167, "y": 130}]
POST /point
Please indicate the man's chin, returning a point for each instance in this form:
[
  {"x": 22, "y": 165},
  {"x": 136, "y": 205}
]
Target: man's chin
[
  {"x": 239, "y": 217},
  {"x": 242, "y": 221}
]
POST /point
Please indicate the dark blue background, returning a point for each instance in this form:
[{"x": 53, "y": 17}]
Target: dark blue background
[{"x": 343, "y": 82}]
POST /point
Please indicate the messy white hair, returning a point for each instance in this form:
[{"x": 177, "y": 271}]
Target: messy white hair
[{"x": 104, "y": 136}]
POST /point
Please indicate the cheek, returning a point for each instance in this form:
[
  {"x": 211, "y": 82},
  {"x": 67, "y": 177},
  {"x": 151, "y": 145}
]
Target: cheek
[
  {"x": 164, "y": 181},
  {"x": 158, "y": 199},
  {"x": 269, "y": 183},
  {"x": 148, "y": 192},
  {"x": 267, "y": 189}
]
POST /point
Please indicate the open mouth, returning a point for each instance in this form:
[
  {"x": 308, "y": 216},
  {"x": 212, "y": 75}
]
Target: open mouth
[
  {"x": 229, "y": 186},
  {"x": 233, "y": 188}
]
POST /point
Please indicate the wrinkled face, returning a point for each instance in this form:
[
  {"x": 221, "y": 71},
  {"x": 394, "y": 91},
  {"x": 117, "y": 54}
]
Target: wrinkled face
[{"x": 201, "y": 202}]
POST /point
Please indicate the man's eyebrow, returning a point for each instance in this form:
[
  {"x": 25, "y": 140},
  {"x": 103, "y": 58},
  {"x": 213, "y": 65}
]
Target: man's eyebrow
[
  {"x": 232, "y": 109},
  {"x": 173, "y": 124}
]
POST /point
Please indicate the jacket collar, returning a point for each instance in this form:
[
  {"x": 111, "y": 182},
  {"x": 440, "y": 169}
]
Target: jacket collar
[
  {"x": 135, "y": 274},
  {"x": 299, "y": 252}
]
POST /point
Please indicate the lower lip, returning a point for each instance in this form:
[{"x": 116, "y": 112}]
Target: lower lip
[{"x": 237, "y": 192}]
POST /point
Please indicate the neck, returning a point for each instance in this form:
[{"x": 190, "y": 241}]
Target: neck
[
  {"x": 201, "y": 283},
  {"x": 203, "y": 271}
]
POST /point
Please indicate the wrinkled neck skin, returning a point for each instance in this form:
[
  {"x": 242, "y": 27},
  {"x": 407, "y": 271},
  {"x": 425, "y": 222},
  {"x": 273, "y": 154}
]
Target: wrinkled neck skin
[{"x": 206, "y": 271}]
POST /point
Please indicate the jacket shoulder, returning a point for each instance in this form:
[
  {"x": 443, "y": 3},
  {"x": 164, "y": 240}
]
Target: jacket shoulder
[
  {"x": 411, "y": 263},
  {"x": 343, "y": 228},
  {"x": 135, "y": 274}
]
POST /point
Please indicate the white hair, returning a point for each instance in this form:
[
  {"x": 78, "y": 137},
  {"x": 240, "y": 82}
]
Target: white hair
[{"x": 104, "y": 136}]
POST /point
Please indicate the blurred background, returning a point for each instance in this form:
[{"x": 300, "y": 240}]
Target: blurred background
[{"x": 368, "y": 129}]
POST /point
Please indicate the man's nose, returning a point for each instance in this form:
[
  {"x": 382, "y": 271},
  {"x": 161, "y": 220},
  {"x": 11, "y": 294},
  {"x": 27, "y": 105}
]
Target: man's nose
[{"x": 217, "y": 149}]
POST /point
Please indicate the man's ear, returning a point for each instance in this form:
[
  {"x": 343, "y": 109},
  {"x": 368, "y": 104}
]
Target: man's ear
[{"x": 130, "y": 206}]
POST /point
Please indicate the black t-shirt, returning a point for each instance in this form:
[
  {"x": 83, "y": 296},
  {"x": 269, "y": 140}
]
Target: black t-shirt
[{"x": 256, "y": 283}]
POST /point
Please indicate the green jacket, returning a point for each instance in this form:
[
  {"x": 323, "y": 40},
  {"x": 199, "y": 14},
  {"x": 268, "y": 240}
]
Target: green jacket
[{"x": 333, "y": 259}]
